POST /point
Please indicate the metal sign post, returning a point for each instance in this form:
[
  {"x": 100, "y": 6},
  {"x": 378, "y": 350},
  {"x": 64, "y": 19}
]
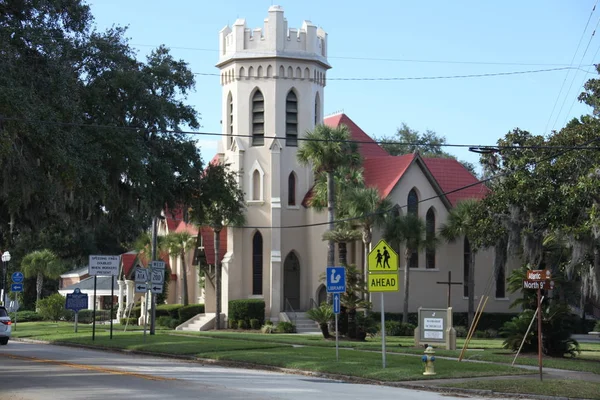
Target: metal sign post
[
  {"x": 336, "y": 284},
  {"x": 101, "y": 265}
]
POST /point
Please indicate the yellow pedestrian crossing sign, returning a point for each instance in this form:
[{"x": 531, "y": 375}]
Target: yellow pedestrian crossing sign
[{"x": 383, "y": 258}]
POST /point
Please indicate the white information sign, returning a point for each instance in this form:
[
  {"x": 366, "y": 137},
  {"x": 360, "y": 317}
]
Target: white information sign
[
  {"x": 158, "y": 277},
  {"x": 141, "y": 275},
  {"x": 158, "y": 265},
  {"x": 156, "y": 289},
  {"x": 433, "y": 335},
  {"x": 104, "y": 265},
  {"x": 141, "y": 288},
  {"x": 433, "y": 323}
]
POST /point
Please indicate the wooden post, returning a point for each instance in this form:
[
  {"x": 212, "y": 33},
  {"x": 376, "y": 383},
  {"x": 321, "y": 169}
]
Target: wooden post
[{"x": 539, "y": 317}]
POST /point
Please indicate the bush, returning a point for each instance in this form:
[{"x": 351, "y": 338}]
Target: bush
[
  {"x": 242, "y": 324},
  {"x": 461, "y": 331},
  {"x": 163, "y": 320},
  {"x": 268, "y": 328},
  {"x": 286, "y": 327},
  {"x": 190, "y": 311},
  {"x": 52, "y": 308},
  {"x": 168, "y": 310},
  {"x": 128, "y": 321},
  {"x": 247, "y": 309},
  {"x": 136, "y": 312},
  {"x": 597, "y": 326},
  {"x": 85, "y": 316},
  {"x": 28, "y": 316},
  {"x": 232, "y": 324},
  {"x": 254, "y": 323},
  {"x": 395, "y": 328}
]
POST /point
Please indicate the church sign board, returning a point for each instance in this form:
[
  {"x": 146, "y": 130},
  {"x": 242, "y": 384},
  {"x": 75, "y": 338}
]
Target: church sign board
[{"x": 435, "y": 326}]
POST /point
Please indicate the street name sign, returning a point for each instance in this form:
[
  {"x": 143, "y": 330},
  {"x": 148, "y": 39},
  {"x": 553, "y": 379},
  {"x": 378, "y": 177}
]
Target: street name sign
[
  {"x": 542, "y": 285},
  {"x": 104, "y": 265},
  {"x": 383, "y": 258},
  {"x": 539, "y": 275},
  {"x": 336, "y": 279},
  {"x": 383, "y": 282}
]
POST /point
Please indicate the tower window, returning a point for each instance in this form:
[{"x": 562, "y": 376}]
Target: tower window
[
  {"x": 256, "y": 185},
  {"x": 292, "y": 190},
  {"x": 230, "y": 119},
  {"x": 291, "y": 119},
  {"x": 317, "y": 107},
  {"x": 258, "y": 119}
]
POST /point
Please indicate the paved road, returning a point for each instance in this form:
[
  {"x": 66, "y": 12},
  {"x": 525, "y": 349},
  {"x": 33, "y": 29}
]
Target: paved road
[{"x": 37, "y": 371}]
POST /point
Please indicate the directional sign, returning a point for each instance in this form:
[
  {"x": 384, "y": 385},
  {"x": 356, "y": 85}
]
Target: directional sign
[
  {"x": 157, "y": 265},
  {"x": 76, "y": 301},
  {"x": 539, "y": 275},
  {"x": 141, "y": 288},
  {"x": 17, "y": 277},
  {"x": 156, "y": 289},
  {"x": 16, "y": 287},
  {"x": 383, "y": 283},
  {"x": 535, "y": 284},
  {"x": 336, "y": 303},
  {"x": 158, "y": 277},
  {"x": 336, "y": 279},
  {"x": 383, "y": 258},
  {"x": 104, "y": 265},
  {"x": 141, "y": 275}
]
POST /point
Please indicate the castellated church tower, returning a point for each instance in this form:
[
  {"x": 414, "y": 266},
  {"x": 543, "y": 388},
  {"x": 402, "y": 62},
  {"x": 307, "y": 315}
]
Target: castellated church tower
[{"x": 273, "y": 81}]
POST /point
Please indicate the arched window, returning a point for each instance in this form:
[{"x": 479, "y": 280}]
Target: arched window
[
  {"x": 230, "y": 118},
  {"x": 258, "y": 119},
  {"x": 466, "y": 264},
  {"x": 501, "y": 282},
  {"x": 257, "y": 264},
  {"x": 291, "y": 119},
  {"x": 292, "y": 189},
  {"x": 317, "y": 108},
  {"x": 413, "y": 202},
  {"x": 430, "y": 232},
  {"x": 256, "y": 185}
]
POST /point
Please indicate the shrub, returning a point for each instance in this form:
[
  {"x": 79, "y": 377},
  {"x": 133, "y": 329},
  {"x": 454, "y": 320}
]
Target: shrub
[
  {"x": 461, "y": 331},
  {"x": 136, "y": 312},
  {"x": 169, "y": 310},
  {"x": 163, "y": 320},
  {"x": 268, "y": 328},
  {"x": 392, "y": 328},
  {"x": 242, "y": 324},
  {"x": 232, "y": 324},
  {"x": 322, "y": 315},
  {"x": 129, "y": 321},
  {"x": 28, "y": 316},
  {"x": 491, "y": 333},
  {"x": 286, "y": 327},
  {"x": 268, "y": 322},
  {"x": 597, "y": 326},
  {"x": 190, "y": 311},
  {"x": 52, "y": 308},
  {"x": 85, "y": 316},
  {"x": 247, "y": 309},
  {"x": 173, "y": 323},
  {"x": 254, "y": 323}
]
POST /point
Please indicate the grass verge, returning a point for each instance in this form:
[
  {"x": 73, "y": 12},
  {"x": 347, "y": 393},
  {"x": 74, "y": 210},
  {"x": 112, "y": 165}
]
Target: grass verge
[{"x": 561, "y": 388}]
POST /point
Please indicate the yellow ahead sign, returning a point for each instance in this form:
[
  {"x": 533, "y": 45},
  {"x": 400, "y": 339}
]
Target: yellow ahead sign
[
  {"x": 383, "y": 283},
  {"x": 383, "y": 258}
]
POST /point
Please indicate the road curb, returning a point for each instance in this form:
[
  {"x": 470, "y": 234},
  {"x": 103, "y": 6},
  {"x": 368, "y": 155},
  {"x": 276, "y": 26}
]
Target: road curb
[{"x": 415, "y": 385}]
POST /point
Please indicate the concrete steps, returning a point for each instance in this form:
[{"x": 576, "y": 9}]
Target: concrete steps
[
  {"x": 201, "y": 322},
  {"x": 303, "y": 323}
]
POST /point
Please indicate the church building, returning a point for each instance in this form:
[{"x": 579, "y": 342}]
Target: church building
[{"x": 273, "y": 83}]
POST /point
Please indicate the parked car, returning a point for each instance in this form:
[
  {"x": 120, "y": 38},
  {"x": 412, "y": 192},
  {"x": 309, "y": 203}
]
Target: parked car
[{"x": 5, "y": 326}]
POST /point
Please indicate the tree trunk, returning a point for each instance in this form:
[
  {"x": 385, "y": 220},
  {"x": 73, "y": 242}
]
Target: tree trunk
[
  {"x": 39, "y": 285},
  {"x": 217, "y": 241},
  {"x": 184, "y": 283},
  {"x": 343, "y": 253},
  {"x": 330, "y": 219},
  {"x": 367, "y": 237},
  {"x": 471, "y": 287},
  {"x": 325, "y": 330},
  {"x": 407, "y": 255}
]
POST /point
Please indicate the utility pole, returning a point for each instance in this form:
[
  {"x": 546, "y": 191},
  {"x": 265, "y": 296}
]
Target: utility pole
[{"x": 153, "y": 296}]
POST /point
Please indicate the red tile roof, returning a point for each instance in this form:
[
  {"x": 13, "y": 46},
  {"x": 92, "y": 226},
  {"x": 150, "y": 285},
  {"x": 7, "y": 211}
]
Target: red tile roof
[
  {"x": 189, "y": 228},
  {"x": 452, "y": 175},
  {"x": 367, "y": 150},
  {"x": 209, "y": 243},
  {"x": 384, "y": 172},
  {"x": 128, "y": 261}
]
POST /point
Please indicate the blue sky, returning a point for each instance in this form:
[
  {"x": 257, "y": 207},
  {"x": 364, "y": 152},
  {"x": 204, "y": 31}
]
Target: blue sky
[{"x": 461, "y": 37}]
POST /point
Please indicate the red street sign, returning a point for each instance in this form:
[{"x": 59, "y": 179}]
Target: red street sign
[
  {"x": 534, "y": 284},
  {"x": 538, "y": 275}
]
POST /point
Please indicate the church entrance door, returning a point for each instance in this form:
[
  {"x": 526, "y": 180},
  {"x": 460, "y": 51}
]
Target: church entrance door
[{"x": 291, "y": 281}]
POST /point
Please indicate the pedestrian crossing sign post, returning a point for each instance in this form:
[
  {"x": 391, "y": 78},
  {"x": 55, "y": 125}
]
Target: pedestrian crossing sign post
[{"x": 383, "y": 277}]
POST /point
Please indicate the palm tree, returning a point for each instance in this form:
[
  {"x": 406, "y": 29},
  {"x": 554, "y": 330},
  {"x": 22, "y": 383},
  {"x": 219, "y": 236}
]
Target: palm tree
[
  {"x": 40, "y": 264},
  {"x": 368, "y": 209},
  {"x": 328, "y": 148},
  {"x": 342, "y": 235},
  {"x": 221, "y": 203},
  {"x": 178, "y": 244},
  {"x": 410, "y": 230},
  {"x": 461, "y": 223}
]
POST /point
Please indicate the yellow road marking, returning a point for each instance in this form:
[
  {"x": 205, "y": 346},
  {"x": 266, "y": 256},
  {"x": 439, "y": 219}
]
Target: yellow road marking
[{"x": 91, "y": 368}]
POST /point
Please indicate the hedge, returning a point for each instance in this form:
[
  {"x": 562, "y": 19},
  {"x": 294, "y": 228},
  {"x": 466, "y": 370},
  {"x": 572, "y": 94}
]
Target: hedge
[
  {"x": 190, "y": 311},
  {"x": 247, "y": 309},
  {"x": 493, "y": 321},
  {"x": 168, "y": 310},
  {"x": 28, "y": 316}
]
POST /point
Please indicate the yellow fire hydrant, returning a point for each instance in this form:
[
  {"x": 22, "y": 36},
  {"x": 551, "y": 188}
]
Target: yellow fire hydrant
[{"x": 429, "y": 359}]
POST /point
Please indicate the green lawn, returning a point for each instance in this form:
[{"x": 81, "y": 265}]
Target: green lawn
[
  {"x": 562, "y": 388},
  {"x": 271, "y": 350}
]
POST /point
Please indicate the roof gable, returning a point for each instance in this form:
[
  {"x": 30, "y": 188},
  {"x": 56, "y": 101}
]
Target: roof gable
[
  {"x": 367, "y": 147},
  {"x": 384, "y": 173},
  {"x": 455, "y": 180}
]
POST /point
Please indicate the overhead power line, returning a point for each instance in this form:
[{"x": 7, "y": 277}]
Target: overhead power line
[{"x": 475, "y": 147}]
